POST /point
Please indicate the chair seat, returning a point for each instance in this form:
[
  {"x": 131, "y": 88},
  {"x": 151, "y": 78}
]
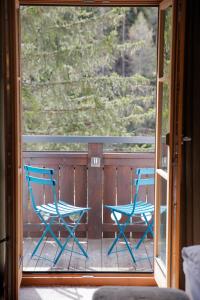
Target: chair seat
[
  {"x": 141, "y": 207},
  {"x": 63, "y": 207}
]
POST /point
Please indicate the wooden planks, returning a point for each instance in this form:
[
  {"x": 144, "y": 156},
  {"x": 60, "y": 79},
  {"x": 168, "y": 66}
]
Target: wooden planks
[
  {"x": 142, "y": 259},
  {"x": 67, "y": 184},
  {"x": 64, "y": 260},
  {"x": 26, "y": 205},
  {"x": 78, "y": 262},
  {"x": 66, "y": 188},
  {"x": 109, "y": 262},
  {"x": 29, "y": 264},
  {"x": 94, "y": 262},
  {"x": 95, "y": 192},
  {"x": 124, "y": 184},
  {"x": 109, "y": 195},
  {"x": 149, "y": 244},
  {"x": 80, "y": 184},
  {"x": 81, "y": 191},
  {"x": 98, "y": 260},
  {"x": 49, "y": 252}
]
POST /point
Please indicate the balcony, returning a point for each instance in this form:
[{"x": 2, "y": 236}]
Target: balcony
[{"x": 83, "y": 184}]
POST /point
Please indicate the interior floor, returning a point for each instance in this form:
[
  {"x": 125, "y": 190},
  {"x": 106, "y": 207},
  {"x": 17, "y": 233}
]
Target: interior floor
[{"x": 57, "y": 292}]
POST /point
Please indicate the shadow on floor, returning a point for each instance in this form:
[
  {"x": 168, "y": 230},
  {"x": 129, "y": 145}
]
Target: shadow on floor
[{"x": 58, "y": 293}]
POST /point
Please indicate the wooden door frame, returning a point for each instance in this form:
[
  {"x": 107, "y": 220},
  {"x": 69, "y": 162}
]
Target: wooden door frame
[
  {"x": 160, "y": 174},
  {"x": 177, "y": 165},
  {"x": 12, "y": 148},
  {"x": 176, "y": 141},
  {"x": 92, "y": 3}
]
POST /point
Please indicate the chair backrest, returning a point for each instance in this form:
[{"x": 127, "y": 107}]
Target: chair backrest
[
  {"x": 148, "y": 173},
  {"x": 30, "y": 169},
  {"x": 145, "y": 171},
  {"x": 36, "y": 179}
]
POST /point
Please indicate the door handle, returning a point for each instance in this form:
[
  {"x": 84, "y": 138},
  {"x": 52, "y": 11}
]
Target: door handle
[{"x": 187, "y": 139}]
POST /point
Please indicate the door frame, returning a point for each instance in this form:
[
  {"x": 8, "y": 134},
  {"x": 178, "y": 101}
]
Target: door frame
[
  {"x": 174, "y": 264},
  {"x": 13, "y": 144},
  {"x": 162, "y": 273}
]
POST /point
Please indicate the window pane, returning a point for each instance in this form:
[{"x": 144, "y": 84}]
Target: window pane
[
  {"x": 164, "y": 126},
  {"x": 163, "y": 220},
  {"x": 167, "y": 41},
  {"x": 92, "y": 71}
]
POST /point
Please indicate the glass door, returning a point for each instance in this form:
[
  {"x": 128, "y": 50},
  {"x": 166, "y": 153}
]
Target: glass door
[{"x": 164, "y": 145}]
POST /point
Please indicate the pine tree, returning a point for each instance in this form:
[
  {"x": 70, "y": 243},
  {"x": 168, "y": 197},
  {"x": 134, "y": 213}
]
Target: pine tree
[{"x": 87, "y": 71}]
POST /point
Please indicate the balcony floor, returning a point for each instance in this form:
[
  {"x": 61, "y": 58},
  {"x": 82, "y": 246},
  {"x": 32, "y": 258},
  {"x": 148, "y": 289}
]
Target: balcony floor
[{"x": 98, "y": 260}]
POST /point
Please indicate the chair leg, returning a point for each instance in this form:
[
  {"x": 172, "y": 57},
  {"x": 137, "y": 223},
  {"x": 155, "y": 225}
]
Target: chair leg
[
  {"x": 39, "y": 242},
  {"x": 121, "y": 233},
  {"x": 47, "y": 229},
  {"x": 51, "y": 231},
  {"x": 71, "y": 235},
  {"x": 114, "y": 243},
  {"x": 149, "y": 229},
  {"x": 117, "y": 237},
  {"x": 129, "y": 248}
]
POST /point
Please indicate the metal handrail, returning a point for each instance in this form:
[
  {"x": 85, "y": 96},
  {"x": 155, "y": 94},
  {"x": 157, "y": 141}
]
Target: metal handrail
[{"x": 62, "y": 139}]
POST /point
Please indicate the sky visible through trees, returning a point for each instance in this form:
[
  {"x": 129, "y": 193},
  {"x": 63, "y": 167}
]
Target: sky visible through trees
[{"x": 88, "y": 71}]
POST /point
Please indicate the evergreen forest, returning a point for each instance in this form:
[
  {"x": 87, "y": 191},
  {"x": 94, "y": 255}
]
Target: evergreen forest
[{"x": 88, "y": 71}]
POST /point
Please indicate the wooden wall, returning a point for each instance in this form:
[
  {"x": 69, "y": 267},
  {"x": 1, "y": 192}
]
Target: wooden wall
[
  {"x": 2, "y": 164},
  {"x": 191, "y": 123},
  {"x": 190, "y": 204}
]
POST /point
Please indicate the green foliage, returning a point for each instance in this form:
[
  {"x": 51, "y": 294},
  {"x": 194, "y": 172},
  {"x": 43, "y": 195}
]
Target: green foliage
[{"x": 88, "y": 71}]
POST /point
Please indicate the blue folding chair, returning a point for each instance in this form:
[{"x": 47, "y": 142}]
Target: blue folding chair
[
  {"x": 136, "y": 208},
  {"x": 52, "y": 211}
]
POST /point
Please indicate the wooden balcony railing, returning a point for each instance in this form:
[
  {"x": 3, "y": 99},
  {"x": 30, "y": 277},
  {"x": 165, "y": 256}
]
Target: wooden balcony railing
[{"x": 81, "y": 184}]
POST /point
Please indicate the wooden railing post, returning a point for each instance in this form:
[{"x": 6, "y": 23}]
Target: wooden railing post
[{"x": 95, "y": 190}]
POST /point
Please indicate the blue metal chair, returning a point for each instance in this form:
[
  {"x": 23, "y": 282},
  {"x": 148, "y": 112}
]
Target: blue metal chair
[
  {"x": 52, "y": 211},
  {"x": 136, "y": 208}
]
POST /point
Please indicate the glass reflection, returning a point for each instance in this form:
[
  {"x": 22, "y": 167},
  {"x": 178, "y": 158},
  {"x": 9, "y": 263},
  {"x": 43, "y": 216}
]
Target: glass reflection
[
  {"x": 167, "y": 41},
  {"x": 165, "y": 126},
  {"x": 163, "y": 220}
]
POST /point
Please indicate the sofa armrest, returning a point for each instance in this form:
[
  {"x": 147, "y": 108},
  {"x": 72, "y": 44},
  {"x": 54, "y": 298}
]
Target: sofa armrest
[{"x": 138, "y": 293}]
